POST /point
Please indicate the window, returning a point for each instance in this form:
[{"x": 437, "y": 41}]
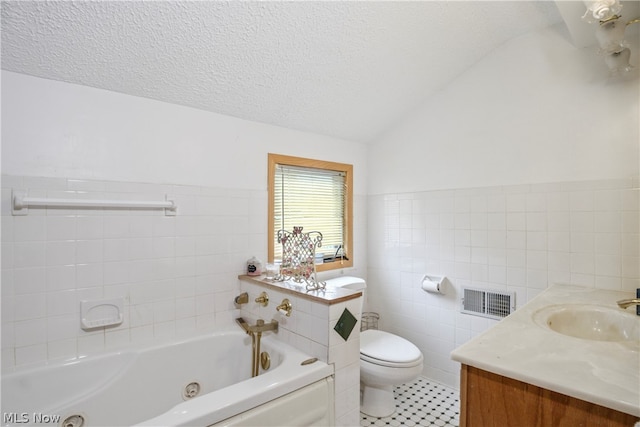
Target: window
[{"x": 317, "y": 196}]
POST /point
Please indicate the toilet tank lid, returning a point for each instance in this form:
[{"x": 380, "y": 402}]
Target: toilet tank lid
[
  {"x": 349, "y": 282},
  {"x": 388, "y": 347}
]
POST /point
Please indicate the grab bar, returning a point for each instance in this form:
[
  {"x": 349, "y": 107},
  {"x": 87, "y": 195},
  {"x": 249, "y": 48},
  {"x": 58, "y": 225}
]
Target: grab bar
[{"x": 21, "y": 203}]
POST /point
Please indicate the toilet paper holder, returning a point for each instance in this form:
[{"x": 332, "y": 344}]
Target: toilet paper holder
[{"x": 433, "y": 284}]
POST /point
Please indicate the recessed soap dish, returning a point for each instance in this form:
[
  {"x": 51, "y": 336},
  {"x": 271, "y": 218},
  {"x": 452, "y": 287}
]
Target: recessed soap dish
[{"x": 101, "y": 313}]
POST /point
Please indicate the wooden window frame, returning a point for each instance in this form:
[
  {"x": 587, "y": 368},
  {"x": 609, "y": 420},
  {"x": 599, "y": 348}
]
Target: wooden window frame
[{"x": 347, "y": 169}]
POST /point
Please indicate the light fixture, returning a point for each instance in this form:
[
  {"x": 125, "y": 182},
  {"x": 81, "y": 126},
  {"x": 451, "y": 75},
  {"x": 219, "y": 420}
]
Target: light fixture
[
  {"x": 601, "y": 10},
  {"x": 610, "y": 33}
]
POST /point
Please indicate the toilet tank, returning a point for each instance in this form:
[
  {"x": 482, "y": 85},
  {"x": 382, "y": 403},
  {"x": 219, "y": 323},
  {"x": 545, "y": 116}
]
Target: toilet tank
[
  {"x": 352, "y": 283},
  {"x": 347, "y": 282}
]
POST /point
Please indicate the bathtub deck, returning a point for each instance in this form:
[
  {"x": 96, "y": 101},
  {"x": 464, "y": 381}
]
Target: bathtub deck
[{"x": 421, "y": 403}]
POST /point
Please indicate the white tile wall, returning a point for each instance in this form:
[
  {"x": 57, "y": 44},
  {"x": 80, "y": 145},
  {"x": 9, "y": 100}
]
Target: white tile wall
[
  {"x": 516, "y": 238},
  {"x": 178, "y": 274},
  {"x": 310, "y": 329}
]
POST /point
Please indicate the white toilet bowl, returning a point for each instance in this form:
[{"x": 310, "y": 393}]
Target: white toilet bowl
[{"x": 386, "y": 360}]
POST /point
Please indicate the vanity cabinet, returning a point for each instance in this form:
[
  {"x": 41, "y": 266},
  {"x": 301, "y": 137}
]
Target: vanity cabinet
[{"x": 488, "y": 399}]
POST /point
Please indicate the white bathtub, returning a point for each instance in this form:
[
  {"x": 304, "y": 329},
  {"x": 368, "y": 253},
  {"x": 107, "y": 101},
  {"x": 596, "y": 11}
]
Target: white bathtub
[{"x": 145, "y": 387}]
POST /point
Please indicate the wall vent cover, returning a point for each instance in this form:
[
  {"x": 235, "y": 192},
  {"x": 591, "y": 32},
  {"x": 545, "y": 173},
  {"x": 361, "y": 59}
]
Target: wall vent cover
[{"x": 493, "y": 305}]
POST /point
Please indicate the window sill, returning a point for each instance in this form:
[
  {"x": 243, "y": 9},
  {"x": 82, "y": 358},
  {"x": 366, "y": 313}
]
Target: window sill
[{"x": 334, "y": 265}]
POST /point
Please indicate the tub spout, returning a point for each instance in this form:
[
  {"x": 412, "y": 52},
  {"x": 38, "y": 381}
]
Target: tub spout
[
  {"x": 243, "y": 324},
  {"x": 260, "y": 325},
  {"x": 256, "y": 334},
  {"x": 243, "y": 298}
]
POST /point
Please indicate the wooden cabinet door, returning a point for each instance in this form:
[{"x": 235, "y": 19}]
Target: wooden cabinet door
[{"x": 488, "y": 400}]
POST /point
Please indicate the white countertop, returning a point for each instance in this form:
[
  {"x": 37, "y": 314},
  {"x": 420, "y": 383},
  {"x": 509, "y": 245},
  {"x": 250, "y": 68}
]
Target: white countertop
[
  {"x": 329, "y": 296},
  {"x": 602, "y": 372}
]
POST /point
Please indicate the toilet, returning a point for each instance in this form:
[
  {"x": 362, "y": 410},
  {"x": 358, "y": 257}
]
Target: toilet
[{"x": 386, "y": 360}]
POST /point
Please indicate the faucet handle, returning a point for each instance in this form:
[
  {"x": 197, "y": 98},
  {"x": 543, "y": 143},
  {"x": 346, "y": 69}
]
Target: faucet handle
[
  {"x": 263, "y": 299},
  {"x": 285, "y": 307}
]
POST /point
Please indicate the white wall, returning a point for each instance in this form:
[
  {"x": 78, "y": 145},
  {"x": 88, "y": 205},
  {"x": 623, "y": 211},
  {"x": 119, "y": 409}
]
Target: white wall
[
  {"x": 521, "y": 173},
  {"x": 57, "y": 129},
  {"x": 535, "y": 110},
  {"x": 178, "y": 274}
]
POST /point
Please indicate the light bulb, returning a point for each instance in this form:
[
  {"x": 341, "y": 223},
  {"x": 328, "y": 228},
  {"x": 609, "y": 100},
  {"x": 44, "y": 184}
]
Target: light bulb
[
  {"x": 618, "y": 62},
  {"x": 610, "y": 35}
]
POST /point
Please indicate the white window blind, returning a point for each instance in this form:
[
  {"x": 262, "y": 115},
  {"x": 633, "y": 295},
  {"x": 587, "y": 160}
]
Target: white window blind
[{"x": 311, "y": 198}]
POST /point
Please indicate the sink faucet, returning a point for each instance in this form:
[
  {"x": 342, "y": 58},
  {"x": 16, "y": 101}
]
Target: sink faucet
[
  {"x": 625, "y": 303},
  {"x": 631, "y": 301}
]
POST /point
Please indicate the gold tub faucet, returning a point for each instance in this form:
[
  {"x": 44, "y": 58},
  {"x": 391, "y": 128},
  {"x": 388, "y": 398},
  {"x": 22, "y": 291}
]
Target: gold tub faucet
[
  {"x": 625, "y": 303},
  {"x": 256, "y": 334},
  {"x": 260, "y": 326}
]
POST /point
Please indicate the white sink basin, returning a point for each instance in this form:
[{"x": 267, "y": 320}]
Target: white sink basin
[{"x": 590, "y": 322}]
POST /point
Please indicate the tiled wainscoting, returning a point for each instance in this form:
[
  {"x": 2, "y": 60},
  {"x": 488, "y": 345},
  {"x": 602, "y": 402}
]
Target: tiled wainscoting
[
  {"x": 518, "y": 239},
  {"x": 178, "y": 274}
]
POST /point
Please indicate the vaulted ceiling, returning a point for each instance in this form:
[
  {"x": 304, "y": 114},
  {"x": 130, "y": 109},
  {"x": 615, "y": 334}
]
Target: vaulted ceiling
[{"x": 349, "y": 69}]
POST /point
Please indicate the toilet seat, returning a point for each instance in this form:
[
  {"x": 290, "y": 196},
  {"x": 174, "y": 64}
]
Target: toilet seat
[{"x": 385, "y": 349}]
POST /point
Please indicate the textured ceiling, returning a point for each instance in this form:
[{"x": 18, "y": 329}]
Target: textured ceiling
[{"x": 350, "y": 69}]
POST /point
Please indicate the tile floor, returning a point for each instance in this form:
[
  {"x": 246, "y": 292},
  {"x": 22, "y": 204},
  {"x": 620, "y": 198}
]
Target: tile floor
[{"x": 421, "y": 403}]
